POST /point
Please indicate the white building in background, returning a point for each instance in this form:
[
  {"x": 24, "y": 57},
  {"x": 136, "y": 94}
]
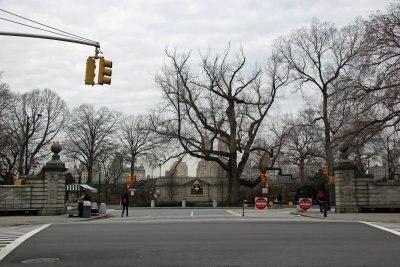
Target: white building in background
[
  {"x": 379, "y": 172},
  {"x": 139, "y": 171},
  {"x": 178, "y": 169}
]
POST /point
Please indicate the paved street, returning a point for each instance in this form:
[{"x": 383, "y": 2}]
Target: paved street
[{"x": 208, "y": 237}]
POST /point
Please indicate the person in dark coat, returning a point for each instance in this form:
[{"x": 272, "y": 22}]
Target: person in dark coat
[
  {"x": 321, "y": 198},
  {"x": 279, "y": 197},
  {"x": 87, "y": 197},
  {"x": 125, "y": 204}
]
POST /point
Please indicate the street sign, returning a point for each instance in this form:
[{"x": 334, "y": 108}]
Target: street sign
[
  {"x": 261, "y": 203},
  {"x": 265, "y": 190},
  {"x": 305, "y": 203}
]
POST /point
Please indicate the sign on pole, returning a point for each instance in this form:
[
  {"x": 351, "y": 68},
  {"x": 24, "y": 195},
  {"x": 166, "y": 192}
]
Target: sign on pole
[
  {"x": 261, "y": 203},
  {"x": 305, "y": 203}
]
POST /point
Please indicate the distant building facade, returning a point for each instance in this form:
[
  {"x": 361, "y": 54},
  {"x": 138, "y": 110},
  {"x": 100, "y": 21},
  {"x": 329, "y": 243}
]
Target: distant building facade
[{"x": 179, "y": 169}]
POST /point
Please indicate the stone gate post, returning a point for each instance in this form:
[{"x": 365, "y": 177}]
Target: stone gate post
[{"x": 48, "y": 187}]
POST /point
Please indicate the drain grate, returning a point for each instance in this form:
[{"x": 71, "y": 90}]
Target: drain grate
[{"x": 40, "y": 260}]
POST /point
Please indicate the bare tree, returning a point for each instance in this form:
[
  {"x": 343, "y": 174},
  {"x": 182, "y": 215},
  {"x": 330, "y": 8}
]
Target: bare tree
[
  {"x": 90, "y": 134},
  {"x": 304, "y": 140},
  {"x": 221, "y": 99},
  {"x": 8, "y": 149},
  {"x": 136, "y": 139},
  {"x": 112, "y": 163},
  {"x": 34, "y": 121},
  {"x": 376, "y": 79},
  {"x": 318, "y": 56}
]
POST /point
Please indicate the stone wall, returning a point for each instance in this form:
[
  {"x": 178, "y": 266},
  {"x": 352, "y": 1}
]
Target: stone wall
[
  {"x": 44, "y": 193},
  {"x": 357, "y": 192},
  {"x": 15, "y": 197},
  {"x": 384, "y": 195}
]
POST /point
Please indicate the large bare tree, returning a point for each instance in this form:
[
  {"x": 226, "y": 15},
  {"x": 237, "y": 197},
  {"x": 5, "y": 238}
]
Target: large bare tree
[
  {"x": 8, "y": 148},
  {"x": 91, "y": 133},
  {"x": 34, "y": 121},
  {"x": 318, "y": 57},
  {"x": 220, "y": 99}
]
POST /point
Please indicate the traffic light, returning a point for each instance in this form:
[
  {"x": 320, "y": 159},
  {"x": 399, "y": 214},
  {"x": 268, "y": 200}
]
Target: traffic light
[
  {"x": 267, "y": 185},
  {"x": 130, "y": 178},
  {"x": 325, "y": 170},
  {"x": 90, "y": 70},
  {"x": 105, "y": 71},
  {"x": 134, "y": 178},
  {"x": 128, "y": 186},
  {"x": 262, "y": 177},
  {"x": 266, "y": 177}
]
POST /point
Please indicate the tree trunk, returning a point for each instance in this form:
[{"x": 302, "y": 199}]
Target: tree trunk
[
  {"x": 302, "y": 178},
  {"x": 235, "y": 188}
]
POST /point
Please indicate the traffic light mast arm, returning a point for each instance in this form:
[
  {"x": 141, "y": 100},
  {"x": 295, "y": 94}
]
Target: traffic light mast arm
[{"x": 18, "y": 34}]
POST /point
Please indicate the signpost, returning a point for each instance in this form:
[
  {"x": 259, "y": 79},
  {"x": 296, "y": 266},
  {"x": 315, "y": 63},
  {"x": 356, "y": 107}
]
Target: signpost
[
  {"x": 305, "y": 203},
  {"x": 261, "y": 203}
]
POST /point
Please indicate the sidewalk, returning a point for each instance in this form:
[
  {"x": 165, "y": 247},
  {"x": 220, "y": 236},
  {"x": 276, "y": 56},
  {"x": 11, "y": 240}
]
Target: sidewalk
[
  {"x": 27, "y": 220},
  {"x": 367, "y": 217}
]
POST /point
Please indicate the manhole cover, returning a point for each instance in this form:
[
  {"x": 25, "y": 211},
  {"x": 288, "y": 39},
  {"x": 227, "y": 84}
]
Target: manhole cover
[{"x": 40, "y": 260}]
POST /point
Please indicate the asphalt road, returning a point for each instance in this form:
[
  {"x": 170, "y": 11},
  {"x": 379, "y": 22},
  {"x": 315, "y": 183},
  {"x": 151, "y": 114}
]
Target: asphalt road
[{"x": 208, "y": 243}]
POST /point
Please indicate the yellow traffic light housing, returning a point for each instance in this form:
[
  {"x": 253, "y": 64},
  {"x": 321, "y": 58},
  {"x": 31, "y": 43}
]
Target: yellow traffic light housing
[
  {"x": 266, "y": 177},
  {"x": 130, "y": 178},
  {"x": 325, "y": 170},
  {"x": 104, "y": 71},
  {"x": 134, "y": 178},
  {"x": 90, "y": 70},
  {"x": 262, "y": 177}
]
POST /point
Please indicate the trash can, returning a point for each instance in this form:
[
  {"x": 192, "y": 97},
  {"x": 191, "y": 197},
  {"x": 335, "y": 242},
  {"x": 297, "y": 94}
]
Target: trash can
[
  {"x": 103, "y": 209},
  {"x": 87, "y": 209}
]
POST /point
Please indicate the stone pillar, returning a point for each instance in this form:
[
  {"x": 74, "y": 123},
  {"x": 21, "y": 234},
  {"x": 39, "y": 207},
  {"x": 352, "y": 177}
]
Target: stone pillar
[
  {"x": 48, "y": 187},
  {"x": 351, "y": 186},
  {"x": 344, "y": 172}
]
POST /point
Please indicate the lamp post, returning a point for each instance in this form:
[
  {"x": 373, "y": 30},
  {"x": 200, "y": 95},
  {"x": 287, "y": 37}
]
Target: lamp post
[{"x": 27, "y": 141}]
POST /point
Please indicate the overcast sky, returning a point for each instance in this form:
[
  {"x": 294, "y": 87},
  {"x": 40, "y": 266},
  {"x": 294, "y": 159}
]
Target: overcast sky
[{"x": 134, "y": 35}]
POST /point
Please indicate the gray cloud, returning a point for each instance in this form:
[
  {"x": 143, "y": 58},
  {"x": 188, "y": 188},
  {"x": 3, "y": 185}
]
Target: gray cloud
[{"x": 134, "y": 34}]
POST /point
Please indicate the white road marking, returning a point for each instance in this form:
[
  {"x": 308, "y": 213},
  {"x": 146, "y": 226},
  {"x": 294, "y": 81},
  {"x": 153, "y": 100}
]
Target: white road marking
[
  {"x": 191, "y": 215},
  {"x": 11, "y": 246},
  {"x": 382, "y": 228}
]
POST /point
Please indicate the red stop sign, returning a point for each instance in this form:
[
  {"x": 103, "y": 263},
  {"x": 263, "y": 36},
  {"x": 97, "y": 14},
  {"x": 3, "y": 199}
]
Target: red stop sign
[
  {"x": 305, "y": 203},
  {"x": 261, "y": 203}
]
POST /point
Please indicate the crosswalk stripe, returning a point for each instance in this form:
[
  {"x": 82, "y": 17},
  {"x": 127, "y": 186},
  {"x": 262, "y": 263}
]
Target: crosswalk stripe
[{"x": 12, "y": 237}]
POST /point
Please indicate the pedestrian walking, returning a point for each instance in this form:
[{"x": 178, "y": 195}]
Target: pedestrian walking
[
  {"x": 321, "y": 198},
  {"x": 125, "y": 203},
  {"x": 279, "y": 199}
]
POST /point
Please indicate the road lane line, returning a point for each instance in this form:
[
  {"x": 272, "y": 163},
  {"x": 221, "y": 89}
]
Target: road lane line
[
  {"x": 191, "y": 215},
  {"x": 233, "y": 213},
  {"x": 382, "y": 228},
  {"x": 10, "y": 247}
]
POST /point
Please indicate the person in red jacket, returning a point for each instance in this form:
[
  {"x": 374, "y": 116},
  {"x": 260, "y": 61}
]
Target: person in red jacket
[
  {"x": 125, "y": 203},
  {"x": 321, "y": 198}
]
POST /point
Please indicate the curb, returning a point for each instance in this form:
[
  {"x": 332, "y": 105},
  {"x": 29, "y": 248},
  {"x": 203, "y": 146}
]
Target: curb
[
  {"x": 308, "y": 215},
  {"x": 96, "y": 218}
]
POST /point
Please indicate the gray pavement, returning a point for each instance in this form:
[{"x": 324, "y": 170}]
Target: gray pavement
[{"x": 279, "y": 213}]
